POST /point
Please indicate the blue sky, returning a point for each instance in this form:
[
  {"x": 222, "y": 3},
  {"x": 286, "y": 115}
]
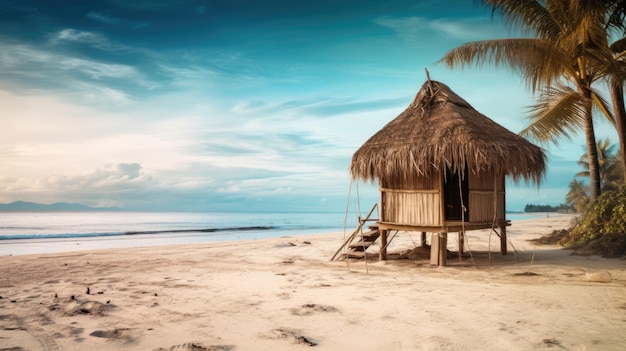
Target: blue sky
[{"x": 231, "y": 105}]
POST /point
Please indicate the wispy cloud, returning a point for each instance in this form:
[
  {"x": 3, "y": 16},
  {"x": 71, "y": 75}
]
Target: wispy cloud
[
  {"x": 55, "y": 69},
  {"x": 415, "y": 28},
  {"x": 96, "y": 70},
  {"x": 150, "y": 4},
  {"x": 96, "y": 40},
  {"x": 114, "y": 21},
  {"x": 102, "y": 95},
  {"x": 102, "y": 18},
  {"x": 321, "y": 106}
]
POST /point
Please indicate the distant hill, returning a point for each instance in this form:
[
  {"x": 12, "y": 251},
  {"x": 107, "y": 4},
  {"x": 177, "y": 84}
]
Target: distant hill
[{"x": 58, "y": 206}]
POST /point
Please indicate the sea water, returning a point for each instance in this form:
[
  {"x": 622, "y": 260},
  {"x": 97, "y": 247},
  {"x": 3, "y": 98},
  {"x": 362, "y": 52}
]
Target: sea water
[
  {"x": 48, "y": 232},
  {"x": 51, "y": 232}
]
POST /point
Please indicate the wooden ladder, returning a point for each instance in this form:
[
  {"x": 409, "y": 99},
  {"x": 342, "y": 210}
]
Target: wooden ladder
[{"x": 357, "y": 249}]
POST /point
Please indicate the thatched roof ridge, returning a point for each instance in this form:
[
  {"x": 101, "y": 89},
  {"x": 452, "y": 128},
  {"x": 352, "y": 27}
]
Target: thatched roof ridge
[{"x": 441, "y": 129}]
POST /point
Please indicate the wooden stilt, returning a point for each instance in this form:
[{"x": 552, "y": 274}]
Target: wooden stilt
[
  {"x": 423, "y": 241},
  {"x": 443, "y": 249},
  {"x": 461, "y": 242},
  {"x": 382, "y": 255},
  {"x": 434, "y": 249},
  {"x": 503, "y": 240},
  {"x": 439, "y": 249}
]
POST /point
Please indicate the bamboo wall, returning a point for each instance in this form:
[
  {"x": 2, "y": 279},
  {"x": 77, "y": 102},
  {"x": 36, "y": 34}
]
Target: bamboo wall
[
  {"x": 417, "y": 200},
  {"x": 413, "y": 200},
  {"x": 412, "y": 182},
  {"x": 481, "y": 197},
  {"x": 412, "y": 207}
]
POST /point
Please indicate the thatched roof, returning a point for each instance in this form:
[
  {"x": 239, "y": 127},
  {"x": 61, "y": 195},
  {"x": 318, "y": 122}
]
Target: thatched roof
[{"x": 440, "y": 129}]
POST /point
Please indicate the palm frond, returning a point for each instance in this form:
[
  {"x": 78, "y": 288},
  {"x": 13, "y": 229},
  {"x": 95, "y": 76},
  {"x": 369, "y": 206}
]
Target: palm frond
[
  {"x": 619, "y": 45},
  {"x": 560, "y": 113},
  {"x": 527, "y": 15},
  {"x": 539, "y": 61},
  {"x": 602, "y": 106}
]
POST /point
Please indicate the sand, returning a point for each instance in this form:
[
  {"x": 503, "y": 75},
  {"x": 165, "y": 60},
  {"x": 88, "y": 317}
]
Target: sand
[{"x": 285, "y": 294}]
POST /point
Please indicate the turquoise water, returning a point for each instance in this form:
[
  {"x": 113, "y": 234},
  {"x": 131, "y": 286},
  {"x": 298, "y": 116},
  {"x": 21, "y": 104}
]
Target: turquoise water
[{"x": 49, "y": 232}]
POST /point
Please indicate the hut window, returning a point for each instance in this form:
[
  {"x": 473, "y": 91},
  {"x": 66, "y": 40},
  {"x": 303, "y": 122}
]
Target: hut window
[{"x": 452, "y": 195}]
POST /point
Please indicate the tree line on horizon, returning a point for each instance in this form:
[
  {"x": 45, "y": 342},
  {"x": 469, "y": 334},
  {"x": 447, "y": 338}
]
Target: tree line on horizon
[
  {"x": 564, "y": 208},
  {"x": 571, "y": 51}
]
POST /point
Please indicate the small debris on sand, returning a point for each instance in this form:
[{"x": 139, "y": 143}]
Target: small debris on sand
[{"x": 598, "y": 277}]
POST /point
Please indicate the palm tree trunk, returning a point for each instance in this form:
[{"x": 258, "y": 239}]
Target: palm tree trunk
[
  {"x": 592, "y": 151},
  {"x": 617, "y": 97}
]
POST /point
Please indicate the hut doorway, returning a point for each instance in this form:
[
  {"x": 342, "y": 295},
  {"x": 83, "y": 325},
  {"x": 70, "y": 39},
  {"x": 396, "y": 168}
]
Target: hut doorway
[{"x": 456, "y": 195}]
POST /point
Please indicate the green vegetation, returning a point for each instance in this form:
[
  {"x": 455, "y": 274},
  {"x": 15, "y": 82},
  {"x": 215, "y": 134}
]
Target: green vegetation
[
  {"x": 539, "y": 208},
  {"x": 611, "y": 175},
  {"x": 602, "y": 227},
  {"x": 562, "y": 208},
  {"x": 547, "y": 208}
]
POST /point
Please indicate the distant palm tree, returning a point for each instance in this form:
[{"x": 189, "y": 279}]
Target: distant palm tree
[
  {"x": 615, "y": 175},
  {"x": 578, "y": 195},
  {"x": 616, "y": 73},
  {"x": 609, "y": 162},
  {"x": 563, "y": 60}
]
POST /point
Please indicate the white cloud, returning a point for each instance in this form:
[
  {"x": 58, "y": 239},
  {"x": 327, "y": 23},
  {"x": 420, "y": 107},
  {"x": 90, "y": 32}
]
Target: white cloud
[
  {"x": 72, "y": 75},
  {"x": 102, "y": 18},
  {"x": 103, "y": 95},
  {"x": 417, "y": 29},
  {"x": 94, "y": 39},
  {"x": 97, "y": 70}
]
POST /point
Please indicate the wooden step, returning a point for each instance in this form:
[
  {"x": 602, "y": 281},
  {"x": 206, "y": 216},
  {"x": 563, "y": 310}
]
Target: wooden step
[
  {"x": 360, "y": 246},
  {"x": 367, "y": 239},
  {"x": 372, "y": 232},
  {"x": 354, "y": 254}
]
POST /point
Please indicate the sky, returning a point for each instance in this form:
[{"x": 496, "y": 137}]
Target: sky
[{"x": 234, "y": 105}]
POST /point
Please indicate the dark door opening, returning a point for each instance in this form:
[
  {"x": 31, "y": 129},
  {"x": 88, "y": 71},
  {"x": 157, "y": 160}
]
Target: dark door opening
[{"x": 456, "y": 195}]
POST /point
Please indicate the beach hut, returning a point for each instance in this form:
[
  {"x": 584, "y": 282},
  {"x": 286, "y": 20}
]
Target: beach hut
[{"x": 441, "y": 168}]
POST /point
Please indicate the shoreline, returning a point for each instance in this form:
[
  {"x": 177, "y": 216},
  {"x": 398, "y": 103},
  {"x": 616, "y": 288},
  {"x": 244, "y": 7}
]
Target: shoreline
[
  {"x": 164, "y": 237},
  {"x": 284, "y": 294}
]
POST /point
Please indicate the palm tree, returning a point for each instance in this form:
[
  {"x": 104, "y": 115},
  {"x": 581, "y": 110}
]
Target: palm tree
[
  {"x": 562, "y": 61},
  {"x": 617, "y": 77},
  {"x": 609, "y": 162},
  {"x": 616, "y": 73},
  {"x": 615, "y": 175},
  {"x": 577, "y": 196}
]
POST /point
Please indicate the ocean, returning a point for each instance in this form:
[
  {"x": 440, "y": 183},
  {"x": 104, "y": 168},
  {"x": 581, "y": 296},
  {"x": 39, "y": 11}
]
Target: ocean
[
  {"x": 52, "y": 232},
  {"x": 49, "y": 232}
]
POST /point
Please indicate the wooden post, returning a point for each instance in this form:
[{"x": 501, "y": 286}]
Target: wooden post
[
  {"x": 382, "y": 254},
  {"x": 461, "y": 242},
  {"x": 434, "y": 249},
  {"x": 443, "y": 249},
  {"x": 503, "y": 239},
  {"x": 439, "y": 249},
  {"x": 423, "y": 241}
]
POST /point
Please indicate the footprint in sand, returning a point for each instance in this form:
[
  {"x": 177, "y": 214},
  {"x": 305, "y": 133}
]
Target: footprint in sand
[
  {"x": 295, "y": 336},
  {"x": 309, "y": 308},
  {"x": 124, "y": 334}
]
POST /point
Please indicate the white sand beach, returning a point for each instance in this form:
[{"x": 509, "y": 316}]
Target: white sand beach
[{"x": 286, "y": 294}]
